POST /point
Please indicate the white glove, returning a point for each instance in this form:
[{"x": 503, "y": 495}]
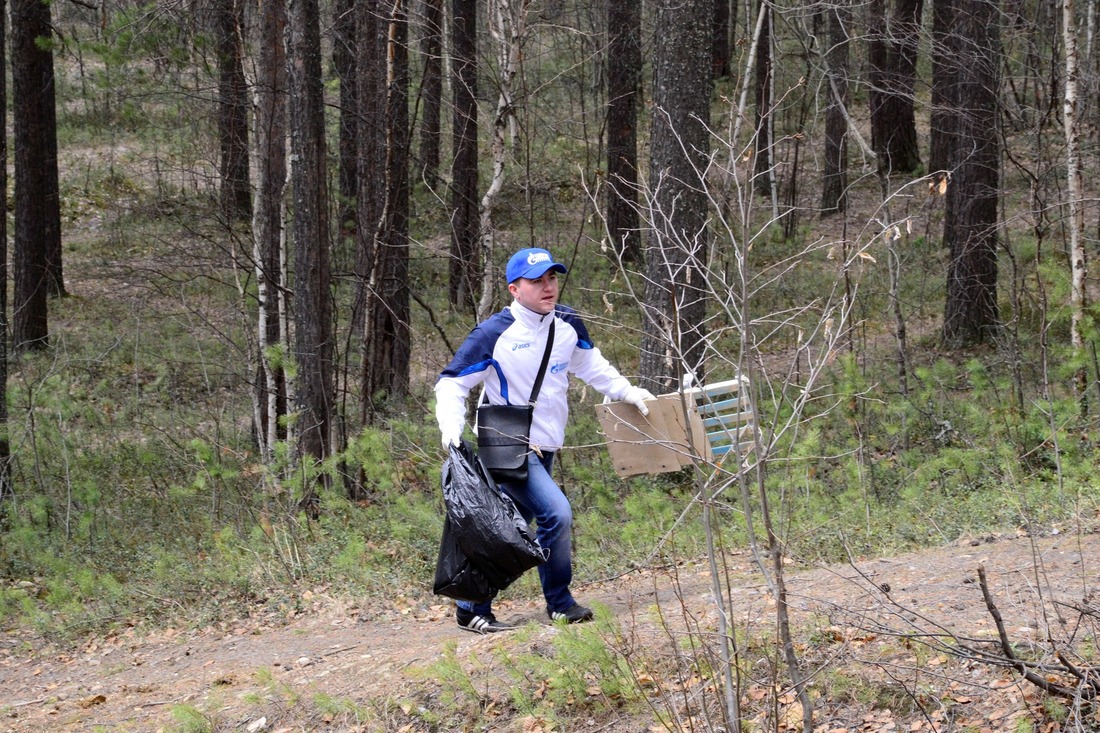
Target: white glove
[
  {"x": 450, "y": 411},
  {"x": 451, "y": 437},
  {"x": 637, "y": 396}
]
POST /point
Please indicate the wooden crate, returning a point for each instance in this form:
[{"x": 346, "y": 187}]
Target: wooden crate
[
  {"x": 726, "y": 414},
  {"x": 659, "y": 442},
  {"x": 716, "y": 424}
]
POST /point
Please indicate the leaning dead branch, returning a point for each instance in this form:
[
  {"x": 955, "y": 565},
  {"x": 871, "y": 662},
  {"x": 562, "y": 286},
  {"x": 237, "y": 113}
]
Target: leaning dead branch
[
  {"x": 1059, "y": 673},
  {"x": 1087, "y": 686}
]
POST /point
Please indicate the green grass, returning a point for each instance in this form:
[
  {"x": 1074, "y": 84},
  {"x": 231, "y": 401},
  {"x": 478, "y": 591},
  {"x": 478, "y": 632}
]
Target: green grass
[
  {"x": 578, "y": 670},
  {"x": 189, "y": 719}
]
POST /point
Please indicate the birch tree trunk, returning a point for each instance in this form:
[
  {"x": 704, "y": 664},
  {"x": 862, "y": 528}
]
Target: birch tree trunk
[{"x": 1078, "y": 257}]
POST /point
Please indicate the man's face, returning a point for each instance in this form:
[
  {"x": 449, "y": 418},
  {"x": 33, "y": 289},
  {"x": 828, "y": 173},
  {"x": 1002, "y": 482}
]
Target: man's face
[{"x": 539, "y": 295}]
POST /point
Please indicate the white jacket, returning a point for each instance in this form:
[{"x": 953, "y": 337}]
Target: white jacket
[{"x": 504, "y": 354}]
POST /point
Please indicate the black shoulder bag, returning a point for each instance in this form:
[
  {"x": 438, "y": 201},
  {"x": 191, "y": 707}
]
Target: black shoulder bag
[{"x": 504, "y": 431}]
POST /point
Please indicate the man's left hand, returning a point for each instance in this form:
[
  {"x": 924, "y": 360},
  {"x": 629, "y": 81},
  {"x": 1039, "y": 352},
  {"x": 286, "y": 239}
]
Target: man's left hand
[{"x": 637, "y": 396}]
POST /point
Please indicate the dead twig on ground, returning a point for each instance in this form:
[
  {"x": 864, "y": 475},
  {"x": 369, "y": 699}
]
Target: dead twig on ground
[{"x": 1087, "y": 687}]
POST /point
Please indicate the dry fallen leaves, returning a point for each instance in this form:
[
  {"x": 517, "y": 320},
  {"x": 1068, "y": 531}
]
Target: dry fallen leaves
[
  {"x": 532, "y": 724},
  {"x": 92, "y": 701},
  {"x": 791, "y": 717}
]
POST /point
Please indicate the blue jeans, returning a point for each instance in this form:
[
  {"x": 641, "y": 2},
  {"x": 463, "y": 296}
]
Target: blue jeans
[{"x": 542, "y": 500}]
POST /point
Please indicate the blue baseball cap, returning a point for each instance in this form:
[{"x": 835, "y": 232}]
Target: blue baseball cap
[{"x": 531, "y": 263}]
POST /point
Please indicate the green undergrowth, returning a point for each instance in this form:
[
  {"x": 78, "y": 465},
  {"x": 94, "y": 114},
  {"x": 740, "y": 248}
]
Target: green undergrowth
[
  {"x": 135, "y": 512},
  {"x": 545, "y": 676}
]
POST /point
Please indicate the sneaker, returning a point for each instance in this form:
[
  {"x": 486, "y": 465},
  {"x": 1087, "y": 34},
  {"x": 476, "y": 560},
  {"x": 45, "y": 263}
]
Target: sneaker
[
  {"x": 488, "y": 624},
  {"x": 575, "y": 614}
]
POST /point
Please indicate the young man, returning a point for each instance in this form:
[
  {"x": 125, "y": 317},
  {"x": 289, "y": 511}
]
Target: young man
[{"x": 503, "y": 354}]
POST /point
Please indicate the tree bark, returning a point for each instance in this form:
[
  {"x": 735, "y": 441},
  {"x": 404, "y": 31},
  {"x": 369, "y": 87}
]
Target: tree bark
[
  {"x": 388, "y": 349},
  {"x": 233, "y": 104},
  {"x": 721, "y": 49},
  {"x": 763, "y": 174},
  {"x": 267, "y": 223},
  {"x": 944, "y": 69},
  {"x": 465, "y": 269},
  {"x": 1075, "y": 188},
  {"x": 834, "y": 190},
  {"x": 508, "y": 27},
  {"x": 344, "y": 64},
  {"x": 46, "y": 92},
  {"x": 431, "y": 90},
  {"x": 312, "y": 281},
  {"x": 371, "y": 160},
  {"x": 37, "y": 217},
  {"x": 624, "y": 69},
  {"x": 970, "y": 217},
  {"x": 673, "y": 339},
  {"x": 7, "y": 489},
  {"x": 892, "y": 57},
  {"x": 371, "y": 72}
]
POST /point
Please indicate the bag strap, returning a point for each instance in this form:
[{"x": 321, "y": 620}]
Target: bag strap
[
  {"x": 537, "y": 386},
  {"x": 542, "y": 367}
]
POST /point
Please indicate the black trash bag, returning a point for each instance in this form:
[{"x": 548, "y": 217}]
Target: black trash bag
[
  {"x": 455, "y": 576},
  {"x": 486, "y": 525}
]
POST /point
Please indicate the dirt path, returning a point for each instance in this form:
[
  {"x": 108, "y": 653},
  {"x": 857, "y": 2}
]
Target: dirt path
[{"x": 253, "y": 674}]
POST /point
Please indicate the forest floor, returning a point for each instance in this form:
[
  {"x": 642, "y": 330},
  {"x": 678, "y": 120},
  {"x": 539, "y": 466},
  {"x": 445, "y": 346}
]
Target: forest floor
[{"x": 333, "y": 666}]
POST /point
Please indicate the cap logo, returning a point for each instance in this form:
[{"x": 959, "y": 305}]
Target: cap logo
[{"x": 536, "y": 257}]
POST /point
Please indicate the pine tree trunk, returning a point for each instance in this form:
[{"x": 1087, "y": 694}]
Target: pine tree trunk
[
  {"x": 386, "y": 366},
  {"x": 834, "y": 193},
  {"x": 344, "y": 64},
  {"x": 267, "y": 222},
  {"x": 508, "y": 28},
  {"x": 371, "y": 155},
  {"x": 624, "y": 68},
  {"x": 7, "y": 489},
  {"x": 233, "y": 108},
  {"x": 431, "y": 90},
  {"x": 944, "y": 69},
  {"x": 970, "y": 217},
  {"x": 763, "y": 175},
  {"x": 312, "y": 275},
  {"x": 892, "y": 57},
  {"x": 721, "y": 49},
  {"x": 35, "y": 225},
  {"x": 678, "y": 240},
  {"x": 465, "y": 271}
]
